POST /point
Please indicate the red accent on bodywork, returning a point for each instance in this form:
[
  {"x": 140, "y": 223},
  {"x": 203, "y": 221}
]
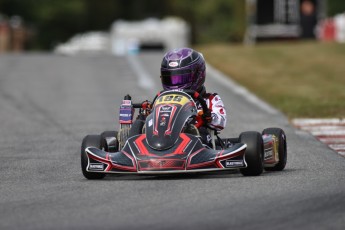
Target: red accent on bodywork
[
  {"x": 172, "y": 113},
  {"x": 216, "y": 162},
  {"x": 111, "y": 165},
  {"x": 105, "y": 161},
  {"x": 168, "y": 130},
  {"x": 182, "y": 146},
  {"x": 125, "y": 122},
  {"x": 221, "y": 158},
  {"x": 208, "y": 163},
  {"x": 156, "y": 164},
  {"x": 141, "y": 147}
]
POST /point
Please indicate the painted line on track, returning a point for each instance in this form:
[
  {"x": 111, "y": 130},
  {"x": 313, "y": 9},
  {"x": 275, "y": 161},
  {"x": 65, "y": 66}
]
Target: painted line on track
[
  {"x": 239, "y": 90},
  {"x": 144, "y": 80},
  {"x": 329, "y": 131}
]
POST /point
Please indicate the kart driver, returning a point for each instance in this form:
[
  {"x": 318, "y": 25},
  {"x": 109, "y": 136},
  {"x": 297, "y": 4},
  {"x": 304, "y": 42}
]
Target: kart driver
[{"x": 185, "y": 68}]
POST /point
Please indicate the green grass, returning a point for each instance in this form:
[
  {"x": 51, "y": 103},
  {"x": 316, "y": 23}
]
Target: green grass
[{"x": 302, "y": 79}]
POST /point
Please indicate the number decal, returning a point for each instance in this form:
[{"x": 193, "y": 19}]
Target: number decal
[
  {"x": 172, "y": 98},
  {"x": 168, "y": 98},
  {"x": 178, "y": 98}
]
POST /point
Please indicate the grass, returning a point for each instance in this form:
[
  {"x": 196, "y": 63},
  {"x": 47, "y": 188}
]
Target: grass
[{"x": 302, "y": 79}]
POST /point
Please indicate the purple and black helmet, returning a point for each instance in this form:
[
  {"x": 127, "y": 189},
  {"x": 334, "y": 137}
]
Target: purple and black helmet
[{"x": 183, "y": 68}]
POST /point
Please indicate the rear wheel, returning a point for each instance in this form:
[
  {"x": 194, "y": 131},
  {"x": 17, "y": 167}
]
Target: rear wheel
[
  {"x": 282, "y": 148},
  {"x": 253, "y": 154},
  {"x": 90, "y": 141}
]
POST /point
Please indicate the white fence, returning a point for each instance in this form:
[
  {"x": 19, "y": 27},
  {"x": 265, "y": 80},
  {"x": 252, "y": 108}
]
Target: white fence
[{"x": 128, "y": 37}]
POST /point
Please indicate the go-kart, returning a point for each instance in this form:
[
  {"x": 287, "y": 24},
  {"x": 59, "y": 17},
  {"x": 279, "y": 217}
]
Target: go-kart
[{"x": 165, "y": 139}]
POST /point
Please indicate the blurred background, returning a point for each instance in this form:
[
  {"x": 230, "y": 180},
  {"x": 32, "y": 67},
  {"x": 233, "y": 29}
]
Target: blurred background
[
  {"x": 45, "y": 24},
  {"x": 302, "y": 41}
]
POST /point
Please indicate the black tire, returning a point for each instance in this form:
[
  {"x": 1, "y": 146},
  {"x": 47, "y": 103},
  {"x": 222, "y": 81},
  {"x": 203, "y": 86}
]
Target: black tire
[
  {"x": 282, "y": 148},
  {"x": 254, "y": 153},
  {"x": 104, "y": 144},
  {"x": 90, "y": 141}
]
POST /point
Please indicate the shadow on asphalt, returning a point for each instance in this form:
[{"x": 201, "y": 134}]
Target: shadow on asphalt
[
  {"x": 189, "y": 176},
  {"x": 195, "y": 176}
]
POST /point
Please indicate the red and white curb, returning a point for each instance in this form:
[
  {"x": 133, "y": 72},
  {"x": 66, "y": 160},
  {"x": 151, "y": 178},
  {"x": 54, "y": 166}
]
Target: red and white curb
[{"x": 328, "y": 131}]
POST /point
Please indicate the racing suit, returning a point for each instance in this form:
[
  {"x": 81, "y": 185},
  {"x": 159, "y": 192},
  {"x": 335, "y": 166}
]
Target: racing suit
[
  {"x": 218, "y": 113},
  {"x": 218, "y": 116}
]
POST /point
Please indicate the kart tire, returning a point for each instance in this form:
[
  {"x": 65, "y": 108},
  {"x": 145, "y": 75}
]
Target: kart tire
[
  {"x": 114, "y": 147},
  {"x": 282, "y": 148},
  {"x": 90, "y": 141},
  {"x": 254, "y": 153}
]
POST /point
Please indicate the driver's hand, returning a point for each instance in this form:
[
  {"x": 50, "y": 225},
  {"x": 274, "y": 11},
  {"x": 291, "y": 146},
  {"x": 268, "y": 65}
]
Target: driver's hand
[
  {"x": 207, "y": 117},
  {"x": 146, "y": 105}
]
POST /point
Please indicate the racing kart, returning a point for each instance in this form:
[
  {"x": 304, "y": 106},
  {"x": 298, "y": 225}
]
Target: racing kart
[{"x": 165, "y": 139}]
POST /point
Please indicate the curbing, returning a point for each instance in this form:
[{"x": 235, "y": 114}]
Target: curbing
[{"x": 329, "y": 131}]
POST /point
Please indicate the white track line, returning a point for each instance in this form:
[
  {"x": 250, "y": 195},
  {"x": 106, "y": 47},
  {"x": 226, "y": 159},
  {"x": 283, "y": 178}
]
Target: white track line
[
  {"x": 144, "y": 80},
  {"x": 240, "y": 90}
]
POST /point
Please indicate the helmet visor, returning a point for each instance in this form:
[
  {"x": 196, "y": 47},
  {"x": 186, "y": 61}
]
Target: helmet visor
[{"x": 176, "y": 78}]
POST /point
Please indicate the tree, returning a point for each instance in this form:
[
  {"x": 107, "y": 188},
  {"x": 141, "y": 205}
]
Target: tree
[
  {"x": 57, "y": 20},
  {"x": 335, "y": 7}
]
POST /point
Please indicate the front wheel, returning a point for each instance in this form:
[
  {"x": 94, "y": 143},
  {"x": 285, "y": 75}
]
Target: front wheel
[
  {"x": 109, "y": 141},
  {"x": 282, "y": 148},
  {"x": 90, "y": 141},
  {"x": 253, "y": 154}
]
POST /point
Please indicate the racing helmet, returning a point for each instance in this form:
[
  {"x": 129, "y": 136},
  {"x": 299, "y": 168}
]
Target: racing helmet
[{"x": 183, "y": 68}]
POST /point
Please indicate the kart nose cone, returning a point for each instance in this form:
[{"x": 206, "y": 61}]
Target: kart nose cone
[{"x": 161, "y": 164}]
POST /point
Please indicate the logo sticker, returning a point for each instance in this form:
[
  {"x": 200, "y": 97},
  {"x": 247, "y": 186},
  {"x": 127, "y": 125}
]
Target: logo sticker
[
  {"x": 172, "y": 99},
  {"x": 233, "y": 163},
  {"x": 150, "y": 123},
  {"x": 166, "y": 108},
  {"x": 268, "y": 154},
  {"x": 126, "y": 102},
  {"x": 162, "y": 122},
  {"x": 173, "y": 64},
  {"x": 96, "y": 166}
]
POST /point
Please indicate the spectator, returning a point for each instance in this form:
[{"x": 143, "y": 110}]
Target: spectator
[
  {"x": 4, "y": 35},
  {"x": 308, "y": 19}
]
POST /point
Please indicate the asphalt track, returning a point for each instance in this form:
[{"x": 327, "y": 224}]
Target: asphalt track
[{"x": 48, "y": 103}]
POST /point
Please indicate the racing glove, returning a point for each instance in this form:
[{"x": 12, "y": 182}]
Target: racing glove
[
  {"x": 203, "y": 118},
  {"x": 207, "y": 116}
]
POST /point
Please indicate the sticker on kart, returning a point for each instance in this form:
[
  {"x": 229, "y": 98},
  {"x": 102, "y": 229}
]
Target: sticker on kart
[{"x": 173, "y": 99}]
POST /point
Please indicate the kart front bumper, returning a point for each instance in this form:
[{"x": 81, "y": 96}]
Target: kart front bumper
[{"x": 205, "y": 160}]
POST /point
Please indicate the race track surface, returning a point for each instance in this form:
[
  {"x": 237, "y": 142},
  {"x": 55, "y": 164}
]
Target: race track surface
[{"x": 48, "y": 103}]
